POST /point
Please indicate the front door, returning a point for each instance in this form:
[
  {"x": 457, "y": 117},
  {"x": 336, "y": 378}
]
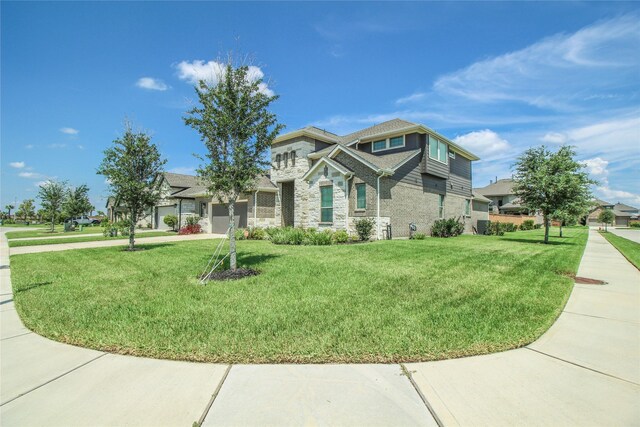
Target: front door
[{"x": 288, "y": 203}]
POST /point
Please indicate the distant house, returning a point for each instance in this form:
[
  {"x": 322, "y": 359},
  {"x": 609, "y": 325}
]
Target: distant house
[
  {"x": 623, "y": 213},
  {"x": 502, "y": 197}
]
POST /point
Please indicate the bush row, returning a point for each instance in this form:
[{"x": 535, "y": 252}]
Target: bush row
[
  {"x": 293, "y": 235},
  {"x": 499, "y": 228}
]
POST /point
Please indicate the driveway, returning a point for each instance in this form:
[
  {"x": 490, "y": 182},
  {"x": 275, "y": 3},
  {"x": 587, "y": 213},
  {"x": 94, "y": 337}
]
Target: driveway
[
  {"x": 628, "y": 233},
  {"x": 584, "y": 371}
]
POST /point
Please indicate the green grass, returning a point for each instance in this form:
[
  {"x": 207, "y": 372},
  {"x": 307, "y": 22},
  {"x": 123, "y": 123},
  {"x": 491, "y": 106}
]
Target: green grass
[
  {"x": 628, "y": 248},
  {"x": 21, "y": 225},
  {"x": 388, "y": 301},
  {"x": 57, "y": 241},
  {"x": 43, "y": 231}
]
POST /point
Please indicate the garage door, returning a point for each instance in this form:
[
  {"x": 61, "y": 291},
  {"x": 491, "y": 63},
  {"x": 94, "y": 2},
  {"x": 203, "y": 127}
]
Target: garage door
[
  {"x": 163, "y": 211},
  {"x": 220, "y": 217}
]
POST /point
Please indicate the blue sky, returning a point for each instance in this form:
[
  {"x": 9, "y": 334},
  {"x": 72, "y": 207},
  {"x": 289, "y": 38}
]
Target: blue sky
[{"x": 495, "y": 77}]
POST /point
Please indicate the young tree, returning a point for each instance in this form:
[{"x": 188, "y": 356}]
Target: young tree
[
  {"x": 52, "y": 195},
  {"x": 77, "y": 202},
  {"x": 237, "y": 128},
  {"x": 26, "y": 210},
  {"x": 606, "y": 216},
  {"x": 551, "y": 182},
  {"x": 131, "y": 167},
  {"x": 571, "y": 213},
  {"x": 8, "y": 208}
]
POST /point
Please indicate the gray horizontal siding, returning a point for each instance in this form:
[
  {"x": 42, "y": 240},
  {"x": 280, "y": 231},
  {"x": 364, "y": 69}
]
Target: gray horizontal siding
[
  {"x": 460, "y": 166},
  {"x": 459, "y": 185}
]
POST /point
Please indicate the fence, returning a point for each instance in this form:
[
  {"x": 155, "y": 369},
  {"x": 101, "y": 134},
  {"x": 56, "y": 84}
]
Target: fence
[{"x": 515, "y": 219}]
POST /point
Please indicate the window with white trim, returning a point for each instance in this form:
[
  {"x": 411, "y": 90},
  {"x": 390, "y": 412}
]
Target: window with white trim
[
  {"x": 286, "y": 159},
  {"x": 440, "y": 206},
  {"x": 361, "y": 196},
  {"x": 438, "y": 150},
  {"x": 388, "y": 144},
  {"x": 326, "y": 203},
  {"x": 278, "y": 160},
  {"x": 293, "y": 158}
]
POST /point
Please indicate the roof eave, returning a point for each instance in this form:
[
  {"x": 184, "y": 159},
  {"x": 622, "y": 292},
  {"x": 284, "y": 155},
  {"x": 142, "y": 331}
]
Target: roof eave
[{"x": 302, "y": 132}]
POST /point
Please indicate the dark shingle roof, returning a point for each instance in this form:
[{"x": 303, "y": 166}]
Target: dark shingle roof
[
  {"x": 387, "y": 161},
  {"x": 388, "y": 126},
  {"x": 625, "y": 208},
  {"x": 181, "y": 180},
  {"x": 192, "y": 192},
  {"x": 502, "y": 187}
]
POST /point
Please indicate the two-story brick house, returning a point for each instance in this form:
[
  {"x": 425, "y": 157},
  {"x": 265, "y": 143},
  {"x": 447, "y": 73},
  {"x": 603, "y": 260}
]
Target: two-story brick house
[{"x": 396, "y": 173}]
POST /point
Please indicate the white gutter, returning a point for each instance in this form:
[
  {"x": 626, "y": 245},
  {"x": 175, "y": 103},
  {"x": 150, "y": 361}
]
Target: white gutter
[
  {"x": 381, "y": 173},
  {"x": 255, "y": 209},
  {"x": 346, "y": 196}
]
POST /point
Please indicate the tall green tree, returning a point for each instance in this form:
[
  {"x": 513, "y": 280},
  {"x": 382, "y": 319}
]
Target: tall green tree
[
  {"x": 551, "y": 182},
  {"x": 237, "y": 129},
  {"x": 52, "y": 195},
  {"x": 26, "y": 210},
  {"x": 606, "y": 216},
  {"x": 571, "y": 213},
  {"x": 9, "y": 208},
  {"x": 131, "y": 167},
  {"x": 76, "y": 202}
]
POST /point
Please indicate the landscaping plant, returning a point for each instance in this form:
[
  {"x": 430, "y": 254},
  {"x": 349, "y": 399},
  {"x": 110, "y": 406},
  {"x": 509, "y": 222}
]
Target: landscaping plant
[
  {"x": 527, "y": 224},
  {"x": 341, "y": 236},
  {"x": 52, "y": 195},
  {"x": 451, "y": 227},
  {"x": 237, "y": 129},
  {"x": 364, "y": 227},
  {"x": 606, "y": 216},
  {"x": 495, "y": 229},
  {"x": 131, "y": 167},
  {"x": 171, "y": 221}
]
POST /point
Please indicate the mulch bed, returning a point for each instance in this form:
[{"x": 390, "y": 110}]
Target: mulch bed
[{"x": 239, "y": 273}]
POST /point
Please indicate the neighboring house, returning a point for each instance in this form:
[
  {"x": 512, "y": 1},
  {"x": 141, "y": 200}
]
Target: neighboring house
[
  {"x": 182, "y": 196},
  {"x": 623, "y": 213},
  {"x": 396, "y": 173},
  {"x": 503, "y": 199}
]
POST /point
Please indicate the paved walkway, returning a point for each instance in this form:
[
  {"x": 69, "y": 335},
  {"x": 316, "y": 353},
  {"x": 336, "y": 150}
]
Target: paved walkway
[
  {"x": 584, "y": 371},
  {"x": 627, "y": 233}
]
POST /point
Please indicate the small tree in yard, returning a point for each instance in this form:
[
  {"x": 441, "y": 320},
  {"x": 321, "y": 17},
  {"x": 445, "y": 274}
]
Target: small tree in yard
[
  {"x": 52, "y": 195},
  {"x": 77, "y": 202},
  {"x": 571, "y": 213},
  {"x": 551, "y": 182},
  {"x": 131, "y": 167},
  {"x": 606, "y": 216},
  {"x": 171, "y": 221},
  {"x": 237, "y": 129},
  {"x": 27, "y": 209},
  {"x": 9, "y": 208}
]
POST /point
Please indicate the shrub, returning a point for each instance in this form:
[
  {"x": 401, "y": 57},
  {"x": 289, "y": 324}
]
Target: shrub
[
  {"x": 123, "y": 226},
  {"x": 451, "y": 227},
  {"x": 192, "y": 220},
  {"x": 364, "y": 227},
  {"x": 318, "y": 238},
  {"x": 109, "y": 229},
  {"x": 341, "y": 236},
  {"x": 526, "y": 225},
  {"x": 495, "y": 229},
  {"x": 256, "y": 233},
  {"x": 635, "y": 225},
  {"x": 509, "y": 227},
  {"x": 419, "y": 236},
  {"x": 171, "y": 221},
  {"x": 190, "y": 229},
  {"x": 537, "y": 226}
]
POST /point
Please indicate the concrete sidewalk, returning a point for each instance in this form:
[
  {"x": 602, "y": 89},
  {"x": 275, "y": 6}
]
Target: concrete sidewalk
[
  {"x": 584, "y": 371},
  {"x": 108, "y": 243}
]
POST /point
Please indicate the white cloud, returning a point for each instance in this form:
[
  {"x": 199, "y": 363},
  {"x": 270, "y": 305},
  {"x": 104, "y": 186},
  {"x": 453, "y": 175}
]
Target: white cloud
[
  {"x": 150, "y": 83},
  {"x": 554, "y": 138},
  {"x": 483, "y": 143},
  {"x": 538, "y": 74},
  {"x": 615, "y": 196},
  {"x": 185, "y": 170},
  {"x": 69, "y": 131},
  {"x": 29, "y": 146},
  {"x": 107, "y": 181},
  {"x": 29, "y": 175},
  {"x": 418, "y": 96},
  {"x": 80, "y": 147},
  {"x": 17, "y": 165},
  {"x": 54, "y": 146},
  {"x": 213, "y": 71},
  {"x": 597, "y": 168},
  {"x": 41, "y": 183}
]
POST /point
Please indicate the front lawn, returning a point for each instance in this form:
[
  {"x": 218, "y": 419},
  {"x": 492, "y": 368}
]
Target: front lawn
[
  {"x": 629, "y": 249},
  {"x": 388, "y": 301},
  {"x": 77, "y": 239},
  {"x": 44, "y": 231}
]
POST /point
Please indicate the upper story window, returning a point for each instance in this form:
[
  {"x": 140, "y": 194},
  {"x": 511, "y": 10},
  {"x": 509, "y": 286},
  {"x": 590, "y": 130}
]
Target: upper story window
[
  {"x": 387, "y": 144},
  {"x": 278, "y": 161},
  {"x": 438, "y": 150},
  {"x": 293, "y": 158},
  {"x": 286, "y": 159},
  {"x": 361, "y": 193}
]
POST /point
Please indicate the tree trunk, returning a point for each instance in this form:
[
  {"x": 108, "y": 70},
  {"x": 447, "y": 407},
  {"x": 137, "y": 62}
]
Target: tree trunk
[
  {"x": 232, "y": 237},
  {"x": 546, "y": 229},
  {"x": 560, "y": 228},
  {"x": 53, "y": 221},
  {"x": 132, "y": 232}
]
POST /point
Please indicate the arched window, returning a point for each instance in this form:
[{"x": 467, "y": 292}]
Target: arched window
[
  {"x": 286, "y": 159},
  {"x": 293, "y": 158},
  {"x": 277, "y": 161}
]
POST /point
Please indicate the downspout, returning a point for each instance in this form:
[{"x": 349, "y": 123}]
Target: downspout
[
  {"x": 346, "y": 196},
  {"x": 179, "y": 214},
  {"x": 255, "y": 209},
  {"x": 381, "y": 173}
]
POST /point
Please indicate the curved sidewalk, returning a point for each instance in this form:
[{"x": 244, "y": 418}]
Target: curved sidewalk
[{"x": 584, "y": 371}]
